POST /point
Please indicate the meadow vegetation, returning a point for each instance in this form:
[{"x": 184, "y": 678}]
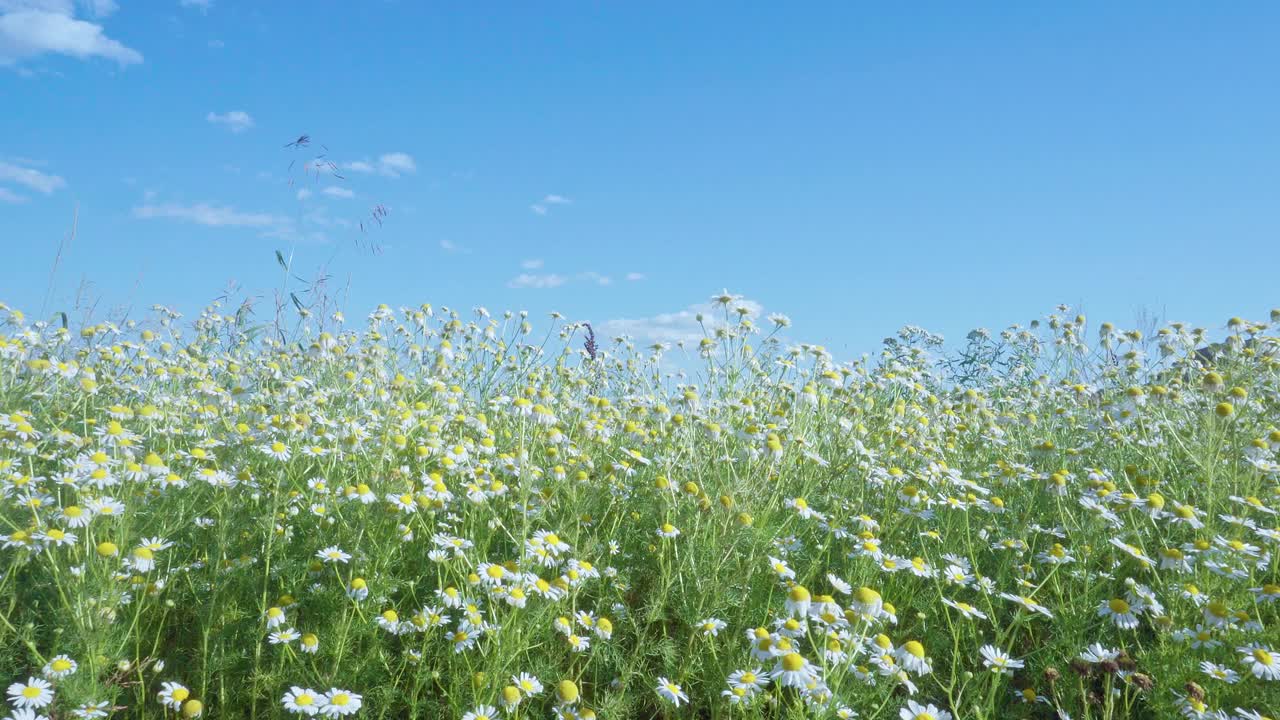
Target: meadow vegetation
[{"x": 451, "y": 514}]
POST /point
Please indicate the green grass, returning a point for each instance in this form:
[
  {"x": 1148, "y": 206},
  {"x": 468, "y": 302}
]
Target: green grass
[{"x": 470, "y": 439}]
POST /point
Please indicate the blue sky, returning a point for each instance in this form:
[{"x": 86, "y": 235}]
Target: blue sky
[{"x": 855, "y": 167}]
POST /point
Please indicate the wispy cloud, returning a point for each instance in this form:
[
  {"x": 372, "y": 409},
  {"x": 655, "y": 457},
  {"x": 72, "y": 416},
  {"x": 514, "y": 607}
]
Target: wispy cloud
[
  {"x": 543, "y": 206},
  {"x": 550, "y": 280},
  {"x": 31, "y": 28},
  {"x": 101, "y": 8},
  {"x": 335, "y": 191},
  {"x": 450, "y": 246},
  {"x": 303, "y": 194},
  {"x": 635, "y": 276},
  {"x": 8, "y": 196},
  {"x": 392, "y": 164},
  {"x": 536, "y": 282},
  {"x": 395, "y": 163},
  {"x": 237, "y": 121},
  {"x": 30, "y": 177},
  {"x": 201, "y": 5},
  {"x": 676, "y": 327},
  {"x": 211, "y": 215}
]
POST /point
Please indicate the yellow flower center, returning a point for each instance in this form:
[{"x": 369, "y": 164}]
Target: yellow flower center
[
  {"x": 792, "y": 662},
  {"x": 567, "y": 691}
]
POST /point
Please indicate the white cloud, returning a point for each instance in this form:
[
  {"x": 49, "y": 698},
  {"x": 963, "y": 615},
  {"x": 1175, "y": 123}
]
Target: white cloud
[
  {"x": 101, "y": 8},
  {"x": 61, "y": 7},
  {"x": 31, "y": 178},
  {"x": 544, "y": 205},
  {"x": 202, "y": 5},
  {"x": 303, "y": 194},
  {"x": 537, "y": 282},
  {"x": 8, "y": 196},
  {"x": 236, "y": 121},
  {"x": 450, "y": 246},
  {"x": 210, "y": 215},
  {"x": 393, "y": 164},
  {"x": 674, "y": 327},
  {"x": 533, "y": 264},
  {"x": 634, "y": 276},
  {"x": 338, "y": 192},
  {"x": 216, "y": 44},
  {"x": 31, "y": 28},
  {"x": 596, "y": 277}
]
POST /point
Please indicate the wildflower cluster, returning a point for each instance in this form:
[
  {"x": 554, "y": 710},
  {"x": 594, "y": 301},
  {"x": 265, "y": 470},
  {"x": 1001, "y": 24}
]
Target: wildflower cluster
[{"x": 442, "y": 515}]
